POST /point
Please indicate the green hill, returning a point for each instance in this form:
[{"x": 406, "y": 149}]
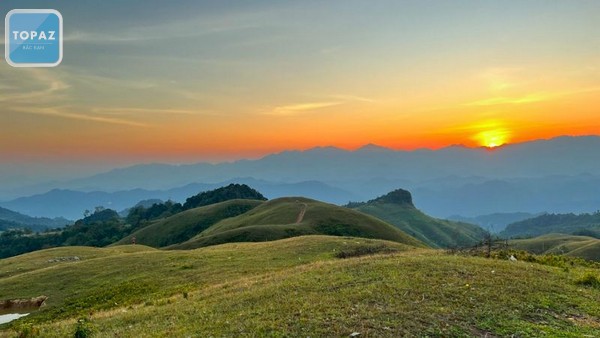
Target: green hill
[
  {"x": 569, "y": 245},
  {"x": 296, "y": 216},
  {"x": 230, "y": 192},
  {"x": 185, "y": 225},
  {"x": 583, "y": 224},
  {"x": 297, "y": 287},
  {"x": 397, "y": 208}
]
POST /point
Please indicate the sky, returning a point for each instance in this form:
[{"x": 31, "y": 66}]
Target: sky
[{"x": 191, "y": 81}]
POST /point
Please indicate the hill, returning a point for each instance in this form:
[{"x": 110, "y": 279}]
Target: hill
[
  {"x": 185, "y": 225},
  {"x": 296, "y": 287},
  {"x": 583, "y": 224},
  {"x": 397, "y": 208},
  {"x": 230, "y": 192},
  {"x": 11, "y": 219},
  {"x": 569, "y": 245},
  {"x": 296, "y": 216}
]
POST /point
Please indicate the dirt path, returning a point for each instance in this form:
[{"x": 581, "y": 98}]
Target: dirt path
[{"x": 301, "y": 214}]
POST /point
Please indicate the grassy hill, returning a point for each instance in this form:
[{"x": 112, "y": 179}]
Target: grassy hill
[
  {"x": 296, "y": 216},
  {"x": 397, "y": 208},
  {"x": 569, "y": 245},
  {"x": 185, "y": 225},
  {"x": 582, "y": 224},
  {"x": 297, "y": 287}
]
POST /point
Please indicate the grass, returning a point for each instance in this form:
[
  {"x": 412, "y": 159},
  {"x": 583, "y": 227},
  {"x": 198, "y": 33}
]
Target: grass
[
  {"x": 185, "y": 225},
  {"x": 569, "y": 245},
  {"x": 276, "y": 219},
  {"x": 434, "y": 232},
  {"x": 298, "y": 287}
]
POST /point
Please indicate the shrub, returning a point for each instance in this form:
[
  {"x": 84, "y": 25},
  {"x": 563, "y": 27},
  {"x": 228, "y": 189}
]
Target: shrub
[
  {"x": 84, "y": 328},
  {"x": 589, "y": 279}
]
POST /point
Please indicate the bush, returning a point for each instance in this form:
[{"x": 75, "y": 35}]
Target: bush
[
  {"x": 84, "y": 328},
  {"x": 589, "y": 279}
]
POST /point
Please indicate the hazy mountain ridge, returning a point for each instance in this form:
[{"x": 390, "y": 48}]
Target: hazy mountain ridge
[
  {"x": 12, "y": 219},
  {"x": 70, "y": 203},
  {"x": 583, "y": 224},
  {"x": 532, "y": 177}
]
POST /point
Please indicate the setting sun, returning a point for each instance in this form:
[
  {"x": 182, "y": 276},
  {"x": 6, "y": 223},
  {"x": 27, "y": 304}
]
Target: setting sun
[{"x": 493, "y": 138}]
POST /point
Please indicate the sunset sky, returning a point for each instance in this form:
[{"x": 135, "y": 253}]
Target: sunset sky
[{"x": 191, "y": 81}]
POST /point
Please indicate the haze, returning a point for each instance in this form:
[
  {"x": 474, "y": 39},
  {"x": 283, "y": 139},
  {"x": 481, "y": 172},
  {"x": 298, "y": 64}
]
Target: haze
[{"x": 146, "y": 81}]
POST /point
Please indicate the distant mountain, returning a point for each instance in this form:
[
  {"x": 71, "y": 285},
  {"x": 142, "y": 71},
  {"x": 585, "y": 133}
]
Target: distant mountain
[
  {"x": 583, "y": 224},
  {"x": 557, "y": 194},
  {"x": 12, "y": 219},
  {"x": 397, "y": 209},
  {"x": 72, "y": 204},
  {"x": 296, "y": 216},
  {"x": 329, "y": 164},
  {"x": 531, "y": 177},
  {"x": 494, "y": 223}
]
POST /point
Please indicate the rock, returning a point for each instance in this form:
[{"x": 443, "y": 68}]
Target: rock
[{"x": 22, "y": 303}]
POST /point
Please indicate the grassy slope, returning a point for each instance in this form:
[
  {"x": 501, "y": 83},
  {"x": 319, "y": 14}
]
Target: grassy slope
[
  {"x": 296, "y": 287},
  {"x": 432, "y": 231},
  {"x": 276, "y": 219},
  {"x": 570, "y": 245},
  {"x": 185, "y": 225}
]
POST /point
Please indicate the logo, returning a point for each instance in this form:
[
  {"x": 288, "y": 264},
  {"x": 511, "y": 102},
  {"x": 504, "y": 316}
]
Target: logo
[{"x": 33, "y": 38}]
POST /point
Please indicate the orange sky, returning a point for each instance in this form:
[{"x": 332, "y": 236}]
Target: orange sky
[{"x": 248, "y": 82}]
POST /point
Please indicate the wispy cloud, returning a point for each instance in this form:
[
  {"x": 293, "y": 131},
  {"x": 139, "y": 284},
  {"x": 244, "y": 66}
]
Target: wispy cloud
[
  {"x": 36, "y": 84},
  {"x": 298, "y": 108},
  {"x": 500, "y": 100},
  {"x": 353, "y": 98},
  {"x": 61, "y": 112},
  {"x": 135, "y": 111},
  {"x": 530, "y": 98},
  {"x": 197, "y": 27}
]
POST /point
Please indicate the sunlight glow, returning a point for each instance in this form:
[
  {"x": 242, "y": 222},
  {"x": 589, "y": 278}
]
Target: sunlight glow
[{"x": 493, "y": 138}]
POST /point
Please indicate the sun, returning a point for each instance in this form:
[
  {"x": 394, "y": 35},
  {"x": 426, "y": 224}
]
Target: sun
[{"x": 493, "y": 138}]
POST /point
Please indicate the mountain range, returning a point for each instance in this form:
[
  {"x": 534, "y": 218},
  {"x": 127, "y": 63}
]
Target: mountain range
[{"x": 558, "y": 175}]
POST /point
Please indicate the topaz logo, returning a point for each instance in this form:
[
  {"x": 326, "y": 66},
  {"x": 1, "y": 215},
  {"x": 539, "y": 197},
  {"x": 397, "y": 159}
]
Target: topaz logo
[{"x": 33, "y": 38}]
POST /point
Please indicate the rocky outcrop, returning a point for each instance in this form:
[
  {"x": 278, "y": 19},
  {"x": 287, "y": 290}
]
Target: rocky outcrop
[{"x": 19, "y": 304}]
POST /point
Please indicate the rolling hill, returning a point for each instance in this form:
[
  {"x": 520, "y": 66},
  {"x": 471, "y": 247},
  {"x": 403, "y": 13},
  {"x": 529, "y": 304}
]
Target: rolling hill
[
  {"x": 561, "y": 244},
  {"x": 397, "y": 208},
  {"x": 582, "y": 224},
  {"x": 296, "y": 216},
  {"x": 185, "y": 225},
  {"x": 296, "y": 287}
]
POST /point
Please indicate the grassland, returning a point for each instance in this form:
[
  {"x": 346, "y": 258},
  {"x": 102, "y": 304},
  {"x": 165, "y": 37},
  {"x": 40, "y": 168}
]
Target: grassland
[
  {"x": 434, "y": 232},
  {"x": 569, "y": 245},
  {"x": 298, "y": 287},
  {"x": 296, "y": 216},
  {"x": 185, "y": 225}
]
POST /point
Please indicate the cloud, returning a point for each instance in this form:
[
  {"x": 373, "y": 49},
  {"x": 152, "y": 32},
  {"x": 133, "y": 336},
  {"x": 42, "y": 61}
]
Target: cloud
[
  {"x": 499, "y": 100},
  {"x": 353, "y": 98},
  {"x": 30, "y": 84},
  {"x": 120, "y": 111},
  {"x": 197, "y": 27},
  {"x": 295, "y": 109},
  {"x": 59, "y": 112},
  {"x": 530, "y": 98}
]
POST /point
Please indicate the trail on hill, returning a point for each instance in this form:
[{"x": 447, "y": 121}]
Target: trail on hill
[{"x": 301, "y": 214}]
